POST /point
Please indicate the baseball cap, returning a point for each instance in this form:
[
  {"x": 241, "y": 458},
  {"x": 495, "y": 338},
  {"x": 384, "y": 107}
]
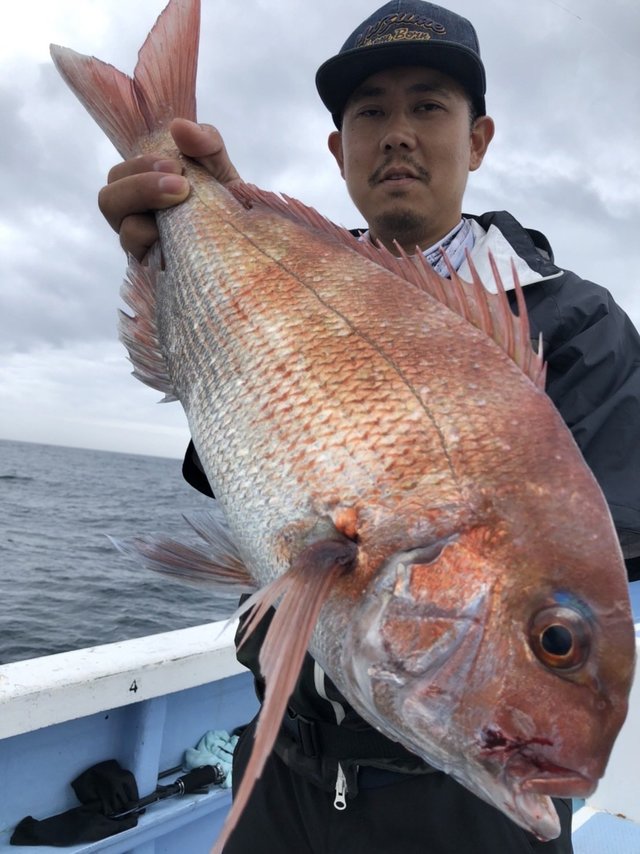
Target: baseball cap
[{"x": 404, "y": 32}]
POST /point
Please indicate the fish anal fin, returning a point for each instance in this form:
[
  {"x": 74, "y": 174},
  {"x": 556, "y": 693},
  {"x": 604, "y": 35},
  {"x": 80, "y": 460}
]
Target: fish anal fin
[{"x": 303, "y": 590}]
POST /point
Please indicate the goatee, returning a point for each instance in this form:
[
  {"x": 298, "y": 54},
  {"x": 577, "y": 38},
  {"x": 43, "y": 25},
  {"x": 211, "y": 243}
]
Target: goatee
[{"x": 404, "y": 226}]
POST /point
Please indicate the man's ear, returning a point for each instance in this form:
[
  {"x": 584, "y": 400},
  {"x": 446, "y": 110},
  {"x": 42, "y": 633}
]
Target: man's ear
[
  {"x": 481, "y": 135},
  {"x": 335, "y": 147}
]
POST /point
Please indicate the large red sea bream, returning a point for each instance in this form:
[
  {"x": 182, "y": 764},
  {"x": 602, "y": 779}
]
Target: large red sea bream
[{"x": 392, "y": 474}]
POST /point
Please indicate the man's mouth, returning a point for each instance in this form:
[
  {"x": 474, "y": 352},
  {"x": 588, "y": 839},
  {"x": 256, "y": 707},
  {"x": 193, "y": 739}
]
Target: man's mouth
[{"x": 398, "y": 174}]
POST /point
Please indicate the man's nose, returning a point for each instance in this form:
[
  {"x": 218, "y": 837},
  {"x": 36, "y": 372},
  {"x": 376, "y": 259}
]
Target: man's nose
[{"x": 398, "y": 133}]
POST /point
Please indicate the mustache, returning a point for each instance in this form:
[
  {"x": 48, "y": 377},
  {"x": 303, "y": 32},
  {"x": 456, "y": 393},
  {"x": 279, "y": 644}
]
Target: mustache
[{"x": 397, "y": 160}]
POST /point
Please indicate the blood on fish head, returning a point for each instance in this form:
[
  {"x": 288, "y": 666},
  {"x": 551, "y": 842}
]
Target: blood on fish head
[{"x": 514, "y": 682}]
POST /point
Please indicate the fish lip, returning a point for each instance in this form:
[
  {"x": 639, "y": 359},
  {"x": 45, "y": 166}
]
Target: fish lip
[
  {"x": 544, "y": 777},
  {"x": 537, "y": 813},
  {"x": 571, "y": 784}
]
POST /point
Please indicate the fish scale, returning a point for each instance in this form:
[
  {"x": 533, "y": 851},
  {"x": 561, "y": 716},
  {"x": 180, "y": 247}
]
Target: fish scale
[
  {"x": 395, "y": 482},
  {"x": 328, "y": 373}
]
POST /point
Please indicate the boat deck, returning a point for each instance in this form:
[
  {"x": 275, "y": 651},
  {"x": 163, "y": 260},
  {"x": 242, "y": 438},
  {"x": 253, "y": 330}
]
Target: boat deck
[{"x": 141, "y": 702}]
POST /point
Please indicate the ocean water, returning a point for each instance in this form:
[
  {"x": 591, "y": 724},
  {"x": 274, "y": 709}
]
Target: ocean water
[{"x": 63, "y": 585}]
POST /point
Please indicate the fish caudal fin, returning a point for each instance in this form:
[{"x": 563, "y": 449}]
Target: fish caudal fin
[
  {"x": 302, "y": 592},
  {"x": 490, "y": 312},
  {"x": 163, "y": 84}
]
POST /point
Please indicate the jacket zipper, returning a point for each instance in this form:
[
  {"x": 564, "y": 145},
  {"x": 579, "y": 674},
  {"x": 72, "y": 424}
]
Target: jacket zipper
[{"x": 340, "y": 800}]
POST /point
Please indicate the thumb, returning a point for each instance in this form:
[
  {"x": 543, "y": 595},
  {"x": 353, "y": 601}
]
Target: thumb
[{"x": 205, "y": 144}]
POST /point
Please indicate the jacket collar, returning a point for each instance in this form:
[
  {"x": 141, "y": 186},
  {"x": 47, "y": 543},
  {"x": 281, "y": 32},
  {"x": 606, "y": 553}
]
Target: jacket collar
[{"x": 502, "y": 235}]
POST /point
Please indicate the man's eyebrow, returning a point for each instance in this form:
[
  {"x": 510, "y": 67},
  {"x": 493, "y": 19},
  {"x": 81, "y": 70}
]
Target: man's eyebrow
[
  {"x": 363, "y": 92},
  {"x": 367, "y": 92}
]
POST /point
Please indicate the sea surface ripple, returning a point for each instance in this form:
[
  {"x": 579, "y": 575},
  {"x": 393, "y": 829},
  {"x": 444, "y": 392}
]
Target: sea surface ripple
[{"x": 63, "y": 585}]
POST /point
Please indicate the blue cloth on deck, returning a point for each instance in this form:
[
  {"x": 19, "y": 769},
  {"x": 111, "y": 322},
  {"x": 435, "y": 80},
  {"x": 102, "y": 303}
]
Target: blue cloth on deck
[{"x": 214, "y": 748}]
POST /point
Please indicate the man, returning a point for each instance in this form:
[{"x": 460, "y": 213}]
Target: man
[{"x": 407, "y": 95}]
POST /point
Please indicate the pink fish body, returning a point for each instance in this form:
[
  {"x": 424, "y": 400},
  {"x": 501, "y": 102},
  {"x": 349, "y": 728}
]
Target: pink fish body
[{"x": 392, "y": 477}]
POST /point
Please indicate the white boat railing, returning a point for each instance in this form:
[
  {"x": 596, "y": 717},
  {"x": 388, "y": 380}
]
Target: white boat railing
[{"x": 45, "y": 691}]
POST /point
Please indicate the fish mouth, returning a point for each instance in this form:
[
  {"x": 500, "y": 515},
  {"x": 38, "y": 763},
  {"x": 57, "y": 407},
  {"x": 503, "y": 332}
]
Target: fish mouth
[
  {"x": 532, "y": 805},
  {"x": 529, "y": 803},
  {"x": 529, "y": 766},
  {"x": 530, "y": 778},
  {"x": 534, "y": 773}
]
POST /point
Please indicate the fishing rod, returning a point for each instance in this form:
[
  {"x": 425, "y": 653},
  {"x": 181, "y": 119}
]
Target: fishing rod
[{"x": 195, "y": 781}]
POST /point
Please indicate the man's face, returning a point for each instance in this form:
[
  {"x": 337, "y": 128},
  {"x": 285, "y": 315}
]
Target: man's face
[{"x": 405, "y": 151}]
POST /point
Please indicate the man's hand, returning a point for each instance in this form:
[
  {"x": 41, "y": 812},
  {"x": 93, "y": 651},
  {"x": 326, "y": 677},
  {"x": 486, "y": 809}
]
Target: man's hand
[{"x": 144, "y": 184}]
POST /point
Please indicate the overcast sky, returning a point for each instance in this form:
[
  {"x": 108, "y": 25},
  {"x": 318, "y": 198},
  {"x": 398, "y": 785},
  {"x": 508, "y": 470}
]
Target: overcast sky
[{"x": 563, "y": 87}]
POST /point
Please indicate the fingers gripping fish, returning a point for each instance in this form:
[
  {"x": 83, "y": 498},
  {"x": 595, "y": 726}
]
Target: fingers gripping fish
[{"x": 391, "y": 474}]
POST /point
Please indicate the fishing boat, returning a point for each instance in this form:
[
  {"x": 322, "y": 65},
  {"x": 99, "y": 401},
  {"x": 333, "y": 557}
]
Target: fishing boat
[{"x": 143, "y": 702}]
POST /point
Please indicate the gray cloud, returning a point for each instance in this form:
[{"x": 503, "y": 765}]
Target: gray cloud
[{"x": 564, "y": 85}]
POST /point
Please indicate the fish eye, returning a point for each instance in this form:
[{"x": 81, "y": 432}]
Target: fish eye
[{"x": 560, "y": 638}]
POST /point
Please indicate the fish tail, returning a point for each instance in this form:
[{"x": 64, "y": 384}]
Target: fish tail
[{"x": 163, "y": 86}]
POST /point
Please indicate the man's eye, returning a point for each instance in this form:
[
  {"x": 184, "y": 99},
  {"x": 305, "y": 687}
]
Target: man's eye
[
  {"x": 427, "y": 108},
  {"x": 368, "y": 112}
]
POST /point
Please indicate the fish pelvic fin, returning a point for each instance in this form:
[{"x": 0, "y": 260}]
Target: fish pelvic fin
[
  {"x": 490, "y": 312},
  {"x": 139, "y": 332},
  {"x": 162, "y": 88},
  {"x": 214, "y": 562},
  {"x": 302, "y": 592}
]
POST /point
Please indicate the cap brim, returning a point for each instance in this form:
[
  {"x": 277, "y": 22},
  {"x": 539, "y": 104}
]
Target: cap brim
[{"x": 339, "y": 76}]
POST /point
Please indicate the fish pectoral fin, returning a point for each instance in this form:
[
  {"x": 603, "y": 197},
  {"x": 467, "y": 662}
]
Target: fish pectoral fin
[{"x": 302, "y": 592}]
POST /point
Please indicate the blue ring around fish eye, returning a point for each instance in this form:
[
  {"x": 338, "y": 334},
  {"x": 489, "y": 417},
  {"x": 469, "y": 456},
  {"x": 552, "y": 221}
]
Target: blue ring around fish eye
[{"x": 569, "y": 600}]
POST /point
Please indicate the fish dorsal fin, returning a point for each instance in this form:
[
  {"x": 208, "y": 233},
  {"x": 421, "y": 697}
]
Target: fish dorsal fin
[
  {"x": 490, "y": 312},
  {"x": 302, "y": 592},
  {"x": 139, "y": 332}
]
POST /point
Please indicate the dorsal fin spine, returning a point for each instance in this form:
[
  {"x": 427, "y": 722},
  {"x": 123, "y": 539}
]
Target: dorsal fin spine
[
  {"x": 506, "y": 313},
  {"x": 139, "y": 333}
]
